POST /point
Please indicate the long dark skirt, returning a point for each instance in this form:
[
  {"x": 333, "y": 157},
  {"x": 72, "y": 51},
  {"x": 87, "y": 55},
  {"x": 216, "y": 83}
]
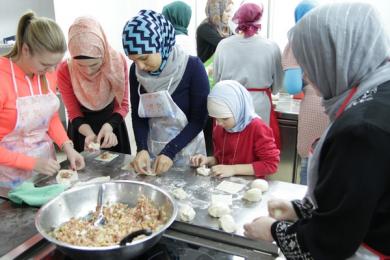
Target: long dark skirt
[{"x": 96, "y": 119}]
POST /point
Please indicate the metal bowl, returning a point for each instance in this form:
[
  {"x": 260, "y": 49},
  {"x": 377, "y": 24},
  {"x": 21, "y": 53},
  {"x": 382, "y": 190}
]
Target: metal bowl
[{"x": 79, "y": 201}]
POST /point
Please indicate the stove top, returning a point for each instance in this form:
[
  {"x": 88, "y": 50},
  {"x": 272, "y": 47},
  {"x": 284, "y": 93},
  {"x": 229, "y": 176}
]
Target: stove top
[{"x": 171, "y": 249}]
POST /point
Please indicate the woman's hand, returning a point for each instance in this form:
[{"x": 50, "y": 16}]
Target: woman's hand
[
  {"x": 198, "y": 160},
  {"x": 141, "y": 162},
  {"x": 281, "y": 210},
  {"x": 259, "y": 229},
  {"x": 46, "y": 166},
  {"x": 75, "y": 159},
  {"x": 89, "y": 139},
  {"x": 223, "y": 171},
  {"x": 109, "y": 138},
  {"x": 162, "y": 164}
]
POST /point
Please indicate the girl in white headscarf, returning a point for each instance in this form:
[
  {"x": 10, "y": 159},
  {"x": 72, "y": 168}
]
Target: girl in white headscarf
[
  {"x": 345, "y": 52},
  {"x": 243, "y": 143}
]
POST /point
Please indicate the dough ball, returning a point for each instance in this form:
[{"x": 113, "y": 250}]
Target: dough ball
[
  {"x": 218, "y": 209},
  {"x": 67, "y": 177},
  {"x": 260, "y": 184},
  {"x": 94, "y": 146},
  {"x": 227, "y": 223},
  {"x": 203, "y": 170},
  {"x": 186, "y": 213},
  {"x": 179, "y": 194},
  {"x": 278, "y": 213},
  {"x": 253, "y": 195}
]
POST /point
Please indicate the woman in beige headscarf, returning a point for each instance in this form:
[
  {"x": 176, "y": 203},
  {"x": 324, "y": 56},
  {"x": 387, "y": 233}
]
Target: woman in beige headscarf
[
  {"x": 94, "y": 88},
  {"x": 208, "y": 34}
]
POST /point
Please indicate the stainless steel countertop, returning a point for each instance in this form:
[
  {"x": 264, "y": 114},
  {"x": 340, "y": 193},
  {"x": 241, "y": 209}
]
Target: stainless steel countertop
[
  {"x": 17, "y": 223},
  {"x": 287, "y": 107}
]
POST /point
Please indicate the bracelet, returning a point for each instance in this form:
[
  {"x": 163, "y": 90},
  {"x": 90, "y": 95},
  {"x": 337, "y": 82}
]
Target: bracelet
[{"x": 67, "y": 142}]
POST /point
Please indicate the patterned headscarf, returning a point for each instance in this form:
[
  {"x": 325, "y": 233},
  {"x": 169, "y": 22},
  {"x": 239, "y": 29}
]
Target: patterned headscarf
[
  {"x": 248, "y": 19},
  {"x": 340, "y": 46},
  {"x": 149, "y": 32},
  {"x": 215, "y": 10},
  {"x": 87, "y": 38},
  {"x": 236, "y": 98},
  {"x": 179, "y": 14}
]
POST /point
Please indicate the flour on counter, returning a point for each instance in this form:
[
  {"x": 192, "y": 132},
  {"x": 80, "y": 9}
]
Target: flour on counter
[{"x": 230, "y": 187}]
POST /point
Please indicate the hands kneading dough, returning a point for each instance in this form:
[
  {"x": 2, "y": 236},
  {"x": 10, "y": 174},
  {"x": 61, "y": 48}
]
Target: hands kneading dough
[{"x": 203, "y": 170}]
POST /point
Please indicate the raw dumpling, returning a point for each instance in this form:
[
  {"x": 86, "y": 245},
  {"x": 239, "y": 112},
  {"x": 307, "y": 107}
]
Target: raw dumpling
[
  {"x": 179, "y": 194},
  {"x": 218, "y": 209},
  {"x": 94, "y": 146},
  {"x": 186, "y": 213},
  {"x": 67, "y": 177},
  {"x": 203, "y": 170},
  {"x": 260, "y": 184},
  {"x": 253, "y": 195},
  {"x": 227, "y": 223}
]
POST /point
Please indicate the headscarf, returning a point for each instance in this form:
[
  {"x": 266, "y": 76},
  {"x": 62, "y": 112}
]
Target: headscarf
[
  {"x": 149, "y": 32},
  {"x": 95, "y": 92},
  {"x": 302, "y": 8},
  {"x": 179, "y": 14},
  {"x": 248, "y": 18},
  {"x": 340, "y": 46},
  {"x": 237, "y": 99},
  {"x": 215, "y": 10}
]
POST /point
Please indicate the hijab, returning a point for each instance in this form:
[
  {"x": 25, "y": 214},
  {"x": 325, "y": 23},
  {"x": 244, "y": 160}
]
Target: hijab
[
  {"x": 149, "y": 32},
  {"x": 215, "y": 10},
  {"x": 340, "y": 46},
  {"x": 179, "y": 14},
  {"x": 303, "y": 7},
  {"x": 230, "y": 97},
  {"x": 248, "y": 18},
  {"x": 87, "y": 38}
]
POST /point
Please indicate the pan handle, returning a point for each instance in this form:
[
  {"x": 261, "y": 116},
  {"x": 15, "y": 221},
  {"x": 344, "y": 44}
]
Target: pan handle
[{"x": 129, "y": 238}]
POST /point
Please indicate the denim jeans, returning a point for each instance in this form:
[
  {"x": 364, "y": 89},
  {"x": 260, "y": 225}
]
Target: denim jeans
[{"x": 303, "y": 173}]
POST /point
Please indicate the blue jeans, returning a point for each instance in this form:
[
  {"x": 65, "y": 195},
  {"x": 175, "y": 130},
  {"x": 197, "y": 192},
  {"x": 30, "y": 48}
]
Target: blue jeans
[{"x": 303, "y": 173}]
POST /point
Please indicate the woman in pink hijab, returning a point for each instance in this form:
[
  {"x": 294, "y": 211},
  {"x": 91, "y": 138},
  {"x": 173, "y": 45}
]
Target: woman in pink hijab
[{"x": 94, "y": 87}]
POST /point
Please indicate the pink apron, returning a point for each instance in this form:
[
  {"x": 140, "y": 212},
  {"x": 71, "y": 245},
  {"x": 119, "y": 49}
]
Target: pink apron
[{"x": 29, "y": 136}]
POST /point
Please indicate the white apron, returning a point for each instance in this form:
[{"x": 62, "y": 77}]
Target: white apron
[
  {"x": 166, "y": 121},
  {"x": 29, "y": 136}
]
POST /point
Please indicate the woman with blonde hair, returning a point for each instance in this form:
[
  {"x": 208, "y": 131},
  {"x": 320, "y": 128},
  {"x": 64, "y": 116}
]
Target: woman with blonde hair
[
  {"x": 29, "y": 106},
  {"x": 94, "y": 87}
]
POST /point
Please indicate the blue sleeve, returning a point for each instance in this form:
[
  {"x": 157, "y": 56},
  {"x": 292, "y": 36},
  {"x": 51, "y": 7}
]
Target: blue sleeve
[
  {"x": 293, "y": 80},
  {"x": 140, "y": 125},
  {"x": 198, "y": 91}
]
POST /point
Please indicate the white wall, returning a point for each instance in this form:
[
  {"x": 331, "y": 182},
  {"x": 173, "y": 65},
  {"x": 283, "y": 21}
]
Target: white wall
[
  {"x": 11, "y": 10},
  {"x": 114, "y": 15},
  {"x": 282, "y": 16}
]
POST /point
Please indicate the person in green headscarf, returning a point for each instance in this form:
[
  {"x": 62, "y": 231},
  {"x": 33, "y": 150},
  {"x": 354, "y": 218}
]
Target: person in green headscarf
[{"x": 179, "y": 14}]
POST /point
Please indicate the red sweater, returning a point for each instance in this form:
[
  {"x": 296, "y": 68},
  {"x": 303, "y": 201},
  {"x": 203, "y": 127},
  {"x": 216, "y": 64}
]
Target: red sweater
[{"x": 255, "y": 145}]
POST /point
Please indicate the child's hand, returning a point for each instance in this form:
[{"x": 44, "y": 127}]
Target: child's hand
[
  {"x": 198, "y": 160},
  {"x": 223, "y": 171}
]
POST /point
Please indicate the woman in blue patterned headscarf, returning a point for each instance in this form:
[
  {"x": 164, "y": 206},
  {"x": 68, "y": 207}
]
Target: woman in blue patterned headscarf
[{"x": 168, "y": 93}]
